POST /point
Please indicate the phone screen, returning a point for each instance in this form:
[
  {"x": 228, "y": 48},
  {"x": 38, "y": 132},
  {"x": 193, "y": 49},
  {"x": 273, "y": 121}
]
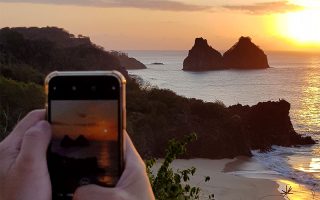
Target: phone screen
[{"x": 85, "y": 145}]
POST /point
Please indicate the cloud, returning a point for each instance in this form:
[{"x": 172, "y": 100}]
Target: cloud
[
  {"x": 266, "y": 7},
  {"x": 167, "y": 5}
]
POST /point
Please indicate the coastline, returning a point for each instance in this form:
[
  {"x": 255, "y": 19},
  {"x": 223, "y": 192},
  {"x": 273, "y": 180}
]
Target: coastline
[
  {"x": 249, "y": 167},
  {"x": 226, "y": 186},
  {"x": 240, "y": 178}
]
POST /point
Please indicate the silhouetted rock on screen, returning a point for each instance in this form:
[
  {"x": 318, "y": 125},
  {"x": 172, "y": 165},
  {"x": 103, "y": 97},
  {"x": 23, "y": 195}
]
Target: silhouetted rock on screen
[
  {"x": 245, "y": 55},
  {"x": 80, "y": 141},
  {"x": 66, "y": 142},
  {"x": 202, "y": 57}
]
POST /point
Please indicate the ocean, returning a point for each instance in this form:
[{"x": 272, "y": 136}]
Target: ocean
[{"x": 292, "y": 76}]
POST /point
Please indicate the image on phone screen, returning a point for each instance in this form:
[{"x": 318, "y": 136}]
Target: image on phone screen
[{"x": 85, "y": 147}]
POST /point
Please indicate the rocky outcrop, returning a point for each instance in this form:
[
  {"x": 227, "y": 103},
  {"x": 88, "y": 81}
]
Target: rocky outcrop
[
  {"x": 223, "y": 132},
  {"x": 245, "y": 55},
  {"x": 80, "y": 141},
  {"x": 267, "y": 124},
  {"x": 128, "y": 62},
  {"x": 202, "y": 57}
]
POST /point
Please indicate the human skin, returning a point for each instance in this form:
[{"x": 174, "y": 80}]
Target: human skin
[
  {"x": 24, "y": 172},
  {"x": 23, "y": 165}
]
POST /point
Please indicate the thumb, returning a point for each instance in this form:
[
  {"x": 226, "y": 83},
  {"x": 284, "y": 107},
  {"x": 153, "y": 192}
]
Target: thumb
[
  {"x": 35, "y": 142},
  {"x": 99, "y": 193}
]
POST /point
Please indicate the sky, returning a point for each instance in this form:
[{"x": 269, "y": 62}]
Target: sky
[
  {"x": 96, "y": 120},
  {"x": 281, "y": 25}
]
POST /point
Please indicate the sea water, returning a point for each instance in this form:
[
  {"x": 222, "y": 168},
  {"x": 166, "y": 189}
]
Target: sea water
[{"x": 292, "y": 76}]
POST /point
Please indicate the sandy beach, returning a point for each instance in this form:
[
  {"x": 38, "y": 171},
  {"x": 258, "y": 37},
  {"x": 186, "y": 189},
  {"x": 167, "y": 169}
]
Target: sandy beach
[{"x": 241, "y": 179}]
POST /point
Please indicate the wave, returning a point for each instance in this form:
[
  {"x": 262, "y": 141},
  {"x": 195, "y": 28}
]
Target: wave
[{"x": 279, "y": 160}]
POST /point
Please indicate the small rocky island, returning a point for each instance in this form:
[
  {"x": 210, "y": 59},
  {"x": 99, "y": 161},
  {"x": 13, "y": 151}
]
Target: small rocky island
[
  {"x": 202, "y": 57},
  {"x": 245, "y": 55},
  {"x": 242, "y": 55}
]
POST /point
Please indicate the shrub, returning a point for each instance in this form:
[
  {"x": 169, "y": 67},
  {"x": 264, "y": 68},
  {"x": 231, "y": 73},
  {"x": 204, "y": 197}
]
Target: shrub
[{"x": 170, "y": 185}]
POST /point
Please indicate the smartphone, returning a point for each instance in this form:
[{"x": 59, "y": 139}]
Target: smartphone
[{"x": 86, "y": 110}]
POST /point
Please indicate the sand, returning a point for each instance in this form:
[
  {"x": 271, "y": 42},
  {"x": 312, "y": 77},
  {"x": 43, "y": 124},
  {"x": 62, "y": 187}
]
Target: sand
[{"x": 239, "y": 179}]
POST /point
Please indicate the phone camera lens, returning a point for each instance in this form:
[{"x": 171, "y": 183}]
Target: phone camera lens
[
  {"x": 113, "y": 88},
  {"x": 93, "y": 88},
  {"x": 74, "y": 88},
  {"x": 54, "y": 88}
]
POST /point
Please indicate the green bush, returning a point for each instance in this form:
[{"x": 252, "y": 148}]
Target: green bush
[
  {"x": 16, "y": 100},
  {"x": 170, "y": 185}
]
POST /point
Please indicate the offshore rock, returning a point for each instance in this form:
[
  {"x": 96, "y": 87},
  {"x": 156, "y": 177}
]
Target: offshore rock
[
  {"x": 245, "y": 55},
  {"x": 202, "y": 57}
]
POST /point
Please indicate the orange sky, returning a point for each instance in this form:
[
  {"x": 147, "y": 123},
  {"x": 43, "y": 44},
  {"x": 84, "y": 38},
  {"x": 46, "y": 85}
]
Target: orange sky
[
  {"x": 173, "y": 25},
  {"x": 96, "y": 120}
]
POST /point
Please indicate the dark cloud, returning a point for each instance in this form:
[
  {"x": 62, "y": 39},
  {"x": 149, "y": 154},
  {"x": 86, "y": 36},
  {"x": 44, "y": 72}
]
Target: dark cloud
[
  {"x": 169, "y": 5},
  {"x": 266, "y": 7}
]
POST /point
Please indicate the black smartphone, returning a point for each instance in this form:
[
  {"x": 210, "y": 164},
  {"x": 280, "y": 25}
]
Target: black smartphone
[{"x": 87, "y": 114}]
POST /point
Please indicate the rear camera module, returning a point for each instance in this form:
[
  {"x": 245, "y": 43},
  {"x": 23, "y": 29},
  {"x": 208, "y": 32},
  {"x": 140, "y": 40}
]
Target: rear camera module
[{"x": 74, "y": 88}]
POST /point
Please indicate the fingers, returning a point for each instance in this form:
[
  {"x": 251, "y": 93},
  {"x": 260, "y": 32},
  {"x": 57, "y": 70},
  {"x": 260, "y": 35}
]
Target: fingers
[
  {"x": 131, "y": 155},
  {"x": 135, "y": 169},
  {"x": 35, "y": 143},
  {"x": 28, "y": 121},
  {"x": 94, "y": 192}
]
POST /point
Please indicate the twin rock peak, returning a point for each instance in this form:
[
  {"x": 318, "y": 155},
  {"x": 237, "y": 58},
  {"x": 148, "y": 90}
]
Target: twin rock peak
[{"x": 242, "y": 55}]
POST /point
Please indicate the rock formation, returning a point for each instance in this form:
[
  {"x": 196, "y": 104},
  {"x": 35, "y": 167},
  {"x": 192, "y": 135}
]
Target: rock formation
[
  {"x": 267, "y": 124},
  {"x": 202, "y": 57},
  {"x": 245, "y": 55},
  {"x": 128, "y": 62}
]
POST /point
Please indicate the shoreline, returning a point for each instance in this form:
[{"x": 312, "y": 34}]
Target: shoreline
[
  {"x": 240, "y": 178},
  {"x": 249, "y": 167},
  {"x": 226, "y": 186}
]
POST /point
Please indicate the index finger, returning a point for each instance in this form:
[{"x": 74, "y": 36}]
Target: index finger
[{"x": 28, "y": 121}]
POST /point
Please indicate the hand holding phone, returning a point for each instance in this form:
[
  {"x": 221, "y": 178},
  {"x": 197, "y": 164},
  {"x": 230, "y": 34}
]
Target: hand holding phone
[
  {"x": 87, "y": 114},
  {"x": 23, "y": 166}
]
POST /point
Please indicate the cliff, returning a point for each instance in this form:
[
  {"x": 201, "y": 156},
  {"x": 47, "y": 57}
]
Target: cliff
[
  {"x": 202, "y": 57},
  {"x": 245, "y": 55},
  {"x": 128, "y": 62},
  {"x": 223, "y": 132},
  {"x": 267, "y": 124}
]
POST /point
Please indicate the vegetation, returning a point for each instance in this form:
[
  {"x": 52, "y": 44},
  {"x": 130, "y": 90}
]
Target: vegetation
[
  {"x": 16, "y": 99},
  {"x": 170, "y": 185},
  {"x": 51, "y": 48}
]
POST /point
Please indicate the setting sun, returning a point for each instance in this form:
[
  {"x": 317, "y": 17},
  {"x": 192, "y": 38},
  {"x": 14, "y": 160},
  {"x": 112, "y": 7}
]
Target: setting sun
[{"x": 301, "y": 26}]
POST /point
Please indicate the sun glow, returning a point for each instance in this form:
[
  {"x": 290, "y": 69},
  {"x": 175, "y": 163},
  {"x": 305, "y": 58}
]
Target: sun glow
[{"x": 301, "y": 27}]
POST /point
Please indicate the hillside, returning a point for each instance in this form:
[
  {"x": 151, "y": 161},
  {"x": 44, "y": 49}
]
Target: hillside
[{"x": 154, "y": 115}]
